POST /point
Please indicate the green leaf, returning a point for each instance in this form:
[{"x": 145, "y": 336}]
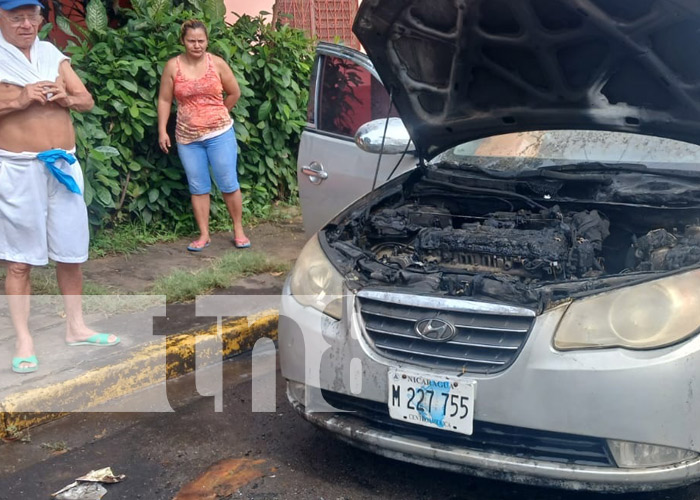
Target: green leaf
[
  {"x": 159, "y": 8},
  {"x": 118, "y": 106},
  {"x": 64, "y": 25},
  {"x": 89, "y": 194},
  {"x": 286, "y": 79},
  {"x": 96, "y": 16},
  {"x": 264, "y": 110},
  {"x": 108, "y": 151},
  {"x": 128, "y": 85},
  {"x": 44, "y": 31},
  {"x": 214, "y": 9},
  {"x": 104, "y": 196},
  {"x": 172, "y": 173},
  {"x": 139, "y": 6}
]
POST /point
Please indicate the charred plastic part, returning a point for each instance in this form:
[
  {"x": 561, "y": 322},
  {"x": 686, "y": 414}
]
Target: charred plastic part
[
  {"x": 481, "y": 248},
  {"x": 406, "y": 221},
  {"x": 544, "y": 245},
  {"x": 659, "y": 250}
]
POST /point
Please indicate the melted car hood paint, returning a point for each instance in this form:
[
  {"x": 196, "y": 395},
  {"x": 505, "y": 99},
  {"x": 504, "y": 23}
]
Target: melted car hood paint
[{"x": 462, "y": 70}]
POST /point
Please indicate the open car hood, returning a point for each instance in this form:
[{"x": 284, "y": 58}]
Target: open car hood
[{"x": 462, "y": 70}]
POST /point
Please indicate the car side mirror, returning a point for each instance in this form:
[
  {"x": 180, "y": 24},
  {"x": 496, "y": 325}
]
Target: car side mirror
[{"x": 370, "y": 136}]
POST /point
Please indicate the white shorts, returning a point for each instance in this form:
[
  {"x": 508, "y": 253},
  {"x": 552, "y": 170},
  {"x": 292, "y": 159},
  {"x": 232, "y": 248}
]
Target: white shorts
[{"x": 39, "y": 217}]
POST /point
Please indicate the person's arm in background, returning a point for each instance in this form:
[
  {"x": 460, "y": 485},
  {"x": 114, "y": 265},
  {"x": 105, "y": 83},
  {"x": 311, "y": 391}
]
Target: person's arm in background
[
  {"x": 228, "y": 81},
  {"x": 165, "y": 102}
]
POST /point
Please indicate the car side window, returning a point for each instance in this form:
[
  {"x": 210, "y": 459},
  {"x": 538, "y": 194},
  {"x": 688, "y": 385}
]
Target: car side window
[
  {"x": 349, "y": 97},
  {"x": 311, "y": 108}
]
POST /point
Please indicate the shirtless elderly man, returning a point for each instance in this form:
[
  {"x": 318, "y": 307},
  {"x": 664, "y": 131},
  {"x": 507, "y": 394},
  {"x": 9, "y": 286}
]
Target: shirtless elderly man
[{"x": 42, "y": 211}]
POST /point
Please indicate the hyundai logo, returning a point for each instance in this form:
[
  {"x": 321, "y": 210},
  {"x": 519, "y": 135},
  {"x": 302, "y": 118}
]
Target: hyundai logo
[{"x": 435, "y": 330}]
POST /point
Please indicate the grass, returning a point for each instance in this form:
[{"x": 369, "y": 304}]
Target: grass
[
  {"x": 57, "y": 447},
  {"x": 96, "y": 298},
  {"x": 12, "y": 433},
  {"x": 127, "y": 239},
  {"x": 44, "y": 283},
  {"x": 181, "y": 286},
  {"x": 130, "y": 237}
]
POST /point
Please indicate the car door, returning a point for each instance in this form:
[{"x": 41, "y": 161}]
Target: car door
[{"x": 332, "y": 171}]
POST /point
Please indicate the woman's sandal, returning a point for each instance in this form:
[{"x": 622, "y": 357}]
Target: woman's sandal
[
  {"x": 241, "y": 242},
  {"x": 196, "y": 246}
]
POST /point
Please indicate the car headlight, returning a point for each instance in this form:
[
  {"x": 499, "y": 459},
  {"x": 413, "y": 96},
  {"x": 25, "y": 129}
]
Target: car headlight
[
  {"x": 637, "y": 455},
  {"x": 649, "y": 315},
  {"x": 315, "y": 282}
]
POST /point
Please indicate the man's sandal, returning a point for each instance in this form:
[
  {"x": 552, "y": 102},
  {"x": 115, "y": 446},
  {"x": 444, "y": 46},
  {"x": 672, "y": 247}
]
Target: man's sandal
[
  {"x": 29, "y": 360},
  {"x": 99, "y": 339}
]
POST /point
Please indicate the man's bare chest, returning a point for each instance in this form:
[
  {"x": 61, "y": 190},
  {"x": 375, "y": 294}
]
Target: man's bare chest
[{"x": 8, "y": 91}]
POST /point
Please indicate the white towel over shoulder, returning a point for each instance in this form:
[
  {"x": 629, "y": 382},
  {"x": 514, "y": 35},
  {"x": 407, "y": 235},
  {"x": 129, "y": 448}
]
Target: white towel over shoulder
[{"x": 16, "y": 69}]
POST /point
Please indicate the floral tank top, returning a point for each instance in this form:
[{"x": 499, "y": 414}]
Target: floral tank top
[{"x": 200, "y": 105}]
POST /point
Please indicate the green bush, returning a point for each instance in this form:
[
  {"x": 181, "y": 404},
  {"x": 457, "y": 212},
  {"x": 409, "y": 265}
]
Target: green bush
[{"x": 127, "y": 176}]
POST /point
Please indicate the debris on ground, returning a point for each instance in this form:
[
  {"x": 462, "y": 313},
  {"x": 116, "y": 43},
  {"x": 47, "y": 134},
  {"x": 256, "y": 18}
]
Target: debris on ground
[
  {"x": 102, "y": 476},
  {"x": 85, "y": 491},
  {"x": 87, "y": 487}
]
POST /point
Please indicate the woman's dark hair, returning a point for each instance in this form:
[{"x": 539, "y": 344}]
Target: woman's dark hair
[{"x": 192, "y": 24}]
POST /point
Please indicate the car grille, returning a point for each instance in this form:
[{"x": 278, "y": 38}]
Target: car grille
[
  {"x": 488, "y": 336},
  {"x": 489, "y": 438}
]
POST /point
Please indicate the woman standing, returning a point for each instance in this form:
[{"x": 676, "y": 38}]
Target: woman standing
[{"x": 204, "y": 132}]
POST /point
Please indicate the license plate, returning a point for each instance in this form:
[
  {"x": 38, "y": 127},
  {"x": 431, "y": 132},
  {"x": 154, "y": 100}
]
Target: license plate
[{"x": 442, "y": 402}]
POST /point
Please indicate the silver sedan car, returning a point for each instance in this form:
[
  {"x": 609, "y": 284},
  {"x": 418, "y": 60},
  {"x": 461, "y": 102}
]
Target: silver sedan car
[{"x": 505, "y": 281}]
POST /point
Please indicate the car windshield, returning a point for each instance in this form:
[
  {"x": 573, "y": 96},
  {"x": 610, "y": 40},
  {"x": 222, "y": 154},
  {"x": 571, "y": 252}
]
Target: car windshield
[{"x": 530, "y": 150}]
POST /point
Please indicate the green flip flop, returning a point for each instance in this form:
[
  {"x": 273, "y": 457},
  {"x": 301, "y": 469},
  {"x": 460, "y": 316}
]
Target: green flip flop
[
  {"x": 99, "y": 339},
  {"x": 16, "y": 362}
]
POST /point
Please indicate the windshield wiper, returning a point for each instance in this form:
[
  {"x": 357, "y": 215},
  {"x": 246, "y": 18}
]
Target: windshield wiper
[{"x": 587, "y": 169}]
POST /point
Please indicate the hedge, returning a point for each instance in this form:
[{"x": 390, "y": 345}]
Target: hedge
[{"x": 127, "y": 176}]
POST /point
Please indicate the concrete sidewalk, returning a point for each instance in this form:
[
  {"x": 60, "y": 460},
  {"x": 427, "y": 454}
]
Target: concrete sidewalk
[
  {"x": 158, "y": 342},
  {"x": 80, "y": 378}
]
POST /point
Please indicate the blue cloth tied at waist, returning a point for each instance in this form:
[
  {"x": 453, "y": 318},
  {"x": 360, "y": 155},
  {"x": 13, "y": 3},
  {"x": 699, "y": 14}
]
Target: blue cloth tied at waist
[{"x": 50, "y": 158}]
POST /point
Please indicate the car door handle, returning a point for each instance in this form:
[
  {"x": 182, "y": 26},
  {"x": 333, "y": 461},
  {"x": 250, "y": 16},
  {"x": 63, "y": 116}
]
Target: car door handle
[{"x": 315, "y": 172}]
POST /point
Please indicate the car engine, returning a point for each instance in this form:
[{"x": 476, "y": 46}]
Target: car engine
[
  {"x": 659, "y": 250},
  {"x": 491, "y": 238},
  {"x": 544, "y": 245}
]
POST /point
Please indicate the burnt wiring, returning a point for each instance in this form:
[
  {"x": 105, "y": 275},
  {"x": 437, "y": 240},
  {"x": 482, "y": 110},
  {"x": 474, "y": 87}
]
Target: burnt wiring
[{"x": 527, "y": 199}]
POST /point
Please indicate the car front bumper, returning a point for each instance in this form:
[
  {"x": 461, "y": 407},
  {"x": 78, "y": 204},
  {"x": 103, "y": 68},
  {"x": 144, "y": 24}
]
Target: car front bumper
[{"x": 636, "y": 396}]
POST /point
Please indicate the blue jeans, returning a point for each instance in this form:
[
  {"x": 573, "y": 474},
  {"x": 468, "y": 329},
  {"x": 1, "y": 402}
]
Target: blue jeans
[{"x": 221, "y": 152}]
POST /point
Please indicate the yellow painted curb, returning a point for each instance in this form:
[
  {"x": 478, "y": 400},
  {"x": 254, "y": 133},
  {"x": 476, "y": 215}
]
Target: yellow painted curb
[{"x": 142, "y": 369}]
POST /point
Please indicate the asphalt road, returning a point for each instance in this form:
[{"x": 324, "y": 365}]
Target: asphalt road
[{"x": 197, "y": 453}]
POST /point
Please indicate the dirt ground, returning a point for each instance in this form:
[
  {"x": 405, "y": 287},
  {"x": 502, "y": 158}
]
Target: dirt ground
[{"x": 135, "y": 273}]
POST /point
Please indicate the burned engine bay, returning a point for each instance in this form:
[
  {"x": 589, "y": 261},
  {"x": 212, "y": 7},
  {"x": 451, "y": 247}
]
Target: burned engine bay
[{"x": 531, "y": 238}]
